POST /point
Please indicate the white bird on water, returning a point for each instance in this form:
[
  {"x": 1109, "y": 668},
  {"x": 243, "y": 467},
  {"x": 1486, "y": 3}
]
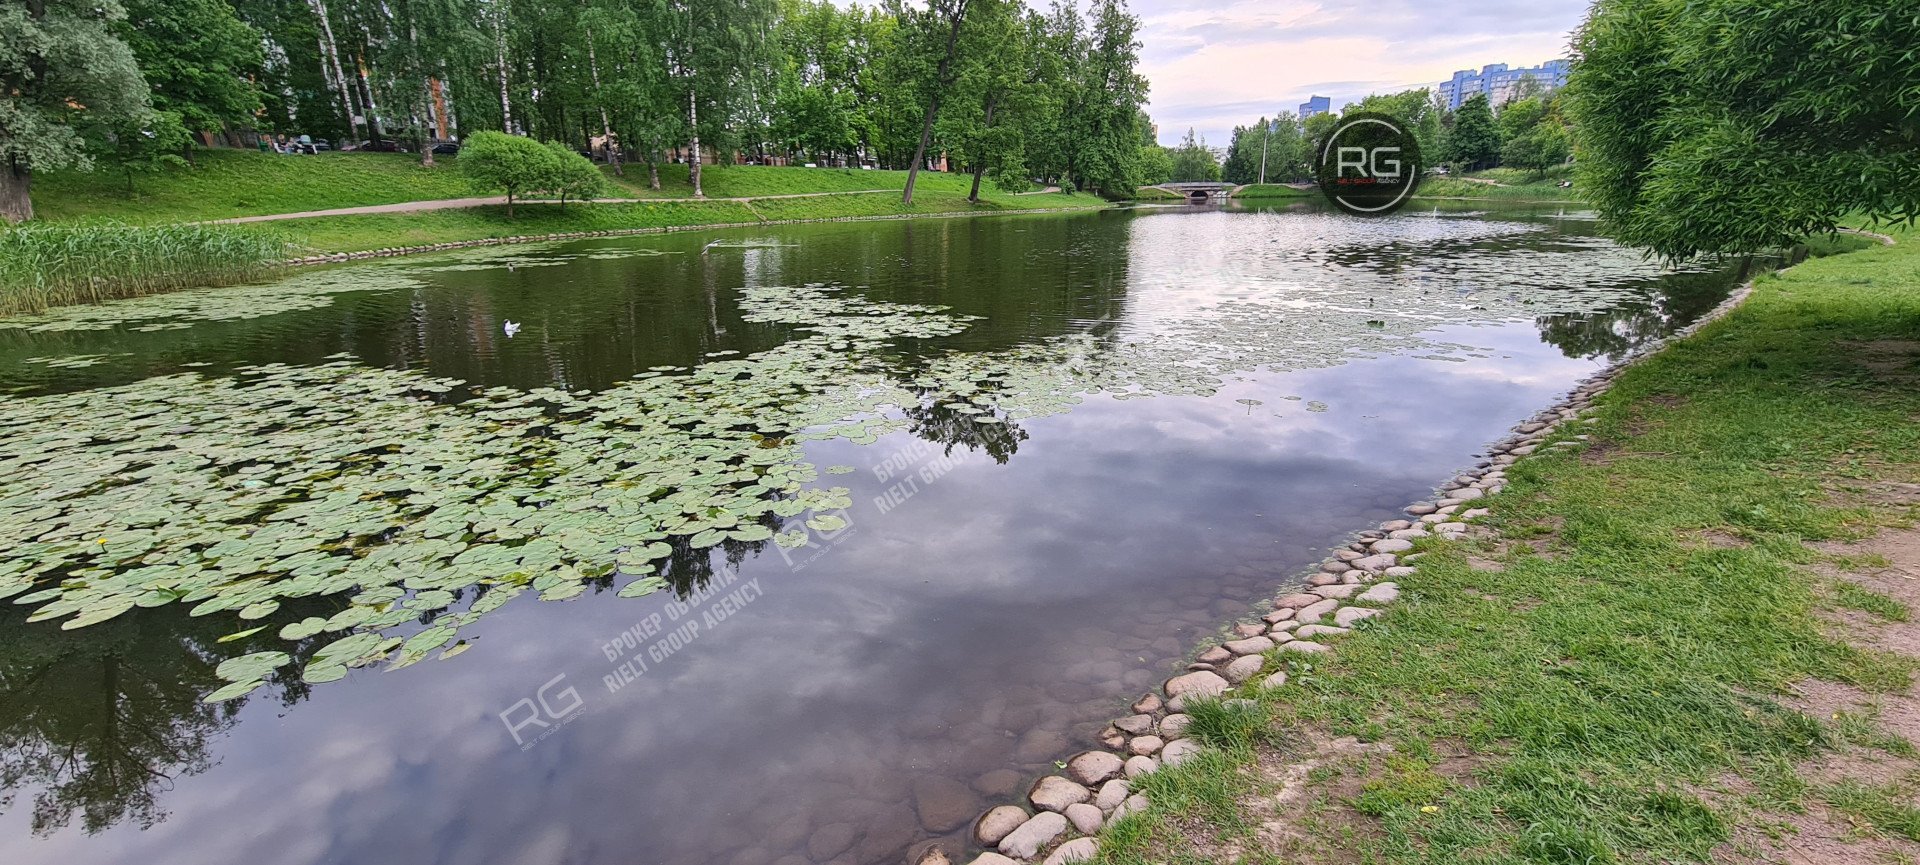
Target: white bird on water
[{"x": 511, "y": 327}]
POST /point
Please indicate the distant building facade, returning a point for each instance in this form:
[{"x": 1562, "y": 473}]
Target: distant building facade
[
  {"x": 1501, "y": 82},
  {"x": 1315, "y": 105}
]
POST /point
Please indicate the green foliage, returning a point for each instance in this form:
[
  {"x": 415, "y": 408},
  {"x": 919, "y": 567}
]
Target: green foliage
[
  {"x": 52, "y": 265},
  {"x": 1279, "y": 143},
  {"x": 571, "y": 175},
  {"x": 1419, "y": 110},
  {"x": 63, "y": 74},
  {"x": 196, "y": 56},
  {"x": 1730, "y": 126},
  {"x": 1193, "y": 160},
  {"x": 1474, "y": 140},
  {"x": 1316, "y": 129},
  {"x": 1156, "y": 164},
  {"x": 1538, "y": 149},
  {"x": 513, "y": 164}
]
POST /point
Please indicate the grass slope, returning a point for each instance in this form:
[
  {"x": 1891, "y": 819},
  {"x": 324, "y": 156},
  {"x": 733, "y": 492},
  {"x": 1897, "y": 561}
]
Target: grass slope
[
  {"x": 1630, "y": 647},
  {"x": 748, "y": 181},
  {"x": 1512, "y": 185},
  {"x": 229, "y": 183},
  {"x": 375, "y": 231},
  {"x": 1275, "y": 190}
]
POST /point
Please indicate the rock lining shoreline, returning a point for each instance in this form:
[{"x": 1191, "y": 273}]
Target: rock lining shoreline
[{"x": 1060, "y": 820}]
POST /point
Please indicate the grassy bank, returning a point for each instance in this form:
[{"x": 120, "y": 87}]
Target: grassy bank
[
  {"x": 1623, "y": 678},
  {"x": 1506, "y": 186},
  {"x": 374, "y": 231},
  {"x": 230, "y": 183},
  {"x": 54, "y": 265},
  {"x": 1275, "y": 190}
]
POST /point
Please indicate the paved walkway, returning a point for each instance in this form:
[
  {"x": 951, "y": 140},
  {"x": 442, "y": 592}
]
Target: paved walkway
[{"x": 483, "y": 201}]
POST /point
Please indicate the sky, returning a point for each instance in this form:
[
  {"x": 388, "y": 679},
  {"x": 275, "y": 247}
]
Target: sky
[{"x": 1215, "y": 64}]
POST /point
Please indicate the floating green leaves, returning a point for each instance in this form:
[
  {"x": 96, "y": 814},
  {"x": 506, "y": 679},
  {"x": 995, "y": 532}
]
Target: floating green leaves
[{"x": 235, "y": 495}]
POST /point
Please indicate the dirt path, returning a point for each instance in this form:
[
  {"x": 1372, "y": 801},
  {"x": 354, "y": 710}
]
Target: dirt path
[{"x": 484, "y": 201}]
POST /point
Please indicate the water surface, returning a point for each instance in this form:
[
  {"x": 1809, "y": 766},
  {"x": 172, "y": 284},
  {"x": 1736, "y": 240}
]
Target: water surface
[{"x": 908, "y": 510}]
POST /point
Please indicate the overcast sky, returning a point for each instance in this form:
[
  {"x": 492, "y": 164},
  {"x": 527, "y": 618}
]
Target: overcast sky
[{"x": 1215, "y": 64}]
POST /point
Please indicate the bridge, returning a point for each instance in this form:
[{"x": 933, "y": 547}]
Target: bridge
[{"x": 1200, "y": 192}]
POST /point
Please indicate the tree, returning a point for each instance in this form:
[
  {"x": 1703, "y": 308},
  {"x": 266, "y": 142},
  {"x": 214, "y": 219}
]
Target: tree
[
  {"x": 1156, "y": 165},
  {"x": 1538, "y": 149},
  {"x": 63, "y": 72},
  {"x": 511, "y": 163},
  {"x": 935, "y": 33},
  {"x": 138, "y": 147},
  {"x": 1730, "y": 126},
  {"x": 570, "y": 174},
  {"x": 199, "y": 60},
  {"x": 1417, "y": 110},
  {"x": 1316, "y": 129},
  {"x": 711, "y": 46},
  {"x": 1271, "y": 149},
  {"x": 1005, "y": 77},
  {"x": 1193, "y": 160},
  {"x": 1111, "y": 124},
  {"x": 1474, "y": 141}
]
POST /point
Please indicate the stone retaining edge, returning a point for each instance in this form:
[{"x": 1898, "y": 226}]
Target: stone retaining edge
[{"x": 1354, "y": 583}]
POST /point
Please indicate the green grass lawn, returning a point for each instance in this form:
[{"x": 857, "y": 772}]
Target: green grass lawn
[
  {"x": 229, "y": 183},
  {"x": 1454, "y": 187},
  {"x": 747, "y": 181},
  {"x": 1275, "y": 190},
  {"x": 375, "y": 231},
  {"x": 1573, "y": 696}
]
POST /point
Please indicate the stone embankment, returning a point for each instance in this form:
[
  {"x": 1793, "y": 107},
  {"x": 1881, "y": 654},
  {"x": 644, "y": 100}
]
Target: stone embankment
[{"x": 1063, "y": 814}]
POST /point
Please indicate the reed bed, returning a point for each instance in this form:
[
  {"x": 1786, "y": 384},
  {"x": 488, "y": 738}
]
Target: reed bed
[{"x": 60, "y": 264}]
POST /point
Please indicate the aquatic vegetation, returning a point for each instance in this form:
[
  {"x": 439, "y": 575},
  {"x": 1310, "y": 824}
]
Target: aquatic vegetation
[
  {"x": 52, "y": 265},
  {"x": 424, "y": 503}
]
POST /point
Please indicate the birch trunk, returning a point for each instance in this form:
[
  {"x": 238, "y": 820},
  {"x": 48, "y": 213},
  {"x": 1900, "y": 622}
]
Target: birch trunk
[
  {"x": 500, "y": 64},
  {"x": 331, "y": 50},
  {"x": 693, "y": 161},
  {"x": 606, "y": 124}
]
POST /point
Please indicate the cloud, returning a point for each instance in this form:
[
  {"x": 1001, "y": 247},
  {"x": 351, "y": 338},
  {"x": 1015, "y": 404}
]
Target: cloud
[{"x": 1215, "y": 65}]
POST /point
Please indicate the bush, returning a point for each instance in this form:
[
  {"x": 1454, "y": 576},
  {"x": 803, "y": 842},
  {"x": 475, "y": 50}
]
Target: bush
[
  {"x": 517, "y": 165},
  {"x": 572, "y": 175}
]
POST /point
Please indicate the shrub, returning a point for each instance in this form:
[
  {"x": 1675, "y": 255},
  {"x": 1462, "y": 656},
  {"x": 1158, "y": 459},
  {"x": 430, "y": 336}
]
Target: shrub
[
  {"x": 572, "y": 175},
  {"x": 517, "y": 165}
]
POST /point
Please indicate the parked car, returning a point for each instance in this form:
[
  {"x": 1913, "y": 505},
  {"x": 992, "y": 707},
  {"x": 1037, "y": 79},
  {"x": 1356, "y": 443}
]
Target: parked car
[
  {"x": 307, "y": 144},
  {"x": 384, "y": 145},
  {"x": 445, "y": 148}
]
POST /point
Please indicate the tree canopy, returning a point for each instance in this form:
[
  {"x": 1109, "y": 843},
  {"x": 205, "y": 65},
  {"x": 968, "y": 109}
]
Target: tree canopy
[
  {"x": 64, "y": 74},
  {"x": 991, "y": 87},
  {"x": 1730, "y": 126}
]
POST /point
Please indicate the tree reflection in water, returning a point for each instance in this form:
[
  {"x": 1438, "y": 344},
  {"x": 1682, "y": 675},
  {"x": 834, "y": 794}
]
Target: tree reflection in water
[{"x": 101, "y": 721}]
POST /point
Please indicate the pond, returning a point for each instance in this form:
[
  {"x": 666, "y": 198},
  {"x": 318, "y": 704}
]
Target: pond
[{"x": 797, "y": 544}]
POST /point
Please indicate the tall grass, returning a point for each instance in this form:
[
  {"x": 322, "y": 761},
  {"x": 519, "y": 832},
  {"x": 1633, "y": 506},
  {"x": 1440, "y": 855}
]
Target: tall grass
[{"x": 53, "y": 265}]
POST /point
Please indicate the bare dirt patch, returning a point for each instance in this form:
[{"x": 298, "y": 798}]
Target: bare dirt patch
[
  {"x": 1305, "y": 813},
  {"x": 1890, "y": 360},
  {"x": 1887, "y": 564}
]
